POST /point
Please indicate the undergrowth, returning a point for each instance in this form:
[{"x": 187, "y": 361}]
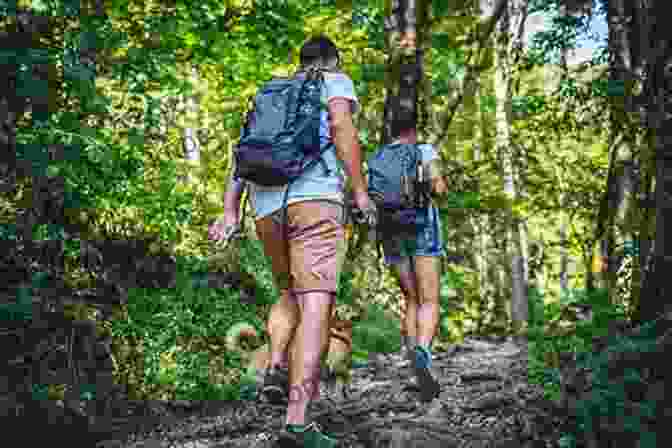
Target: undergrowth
[
  {"x": 170, "y": 342},
  {"x": 608, "y": 397}
]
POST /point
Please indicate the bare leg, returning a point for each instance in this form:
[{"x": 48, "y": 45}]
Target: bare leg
[
  {"x": 402, "y": 323},
  {"x": 312, "y": 339},
  {"x": 407, "y": 284},
  {"x": 282, "y": 322},
  {"x": 284, "y": 315},
  {"x": 428, "y": 274}
]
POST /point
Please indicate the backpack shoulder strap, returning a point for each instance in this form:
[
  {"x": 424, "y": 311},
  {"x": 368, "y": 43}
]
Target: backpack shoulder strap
[{"x": 318, "y": 72}]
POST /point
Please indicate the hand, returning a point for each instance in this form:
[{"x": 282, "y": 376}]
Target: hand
[
  {"x": 367, "y": 207},
  {"x": 222, "y": 229},
  {"x": 439, "y": 187}
]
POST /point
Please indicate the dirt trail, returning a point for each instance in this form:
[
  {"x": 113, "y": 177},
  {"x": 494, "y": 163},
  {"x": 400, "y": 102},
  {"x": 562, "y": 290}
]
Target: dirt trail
[{"x": 485, "y": 402}]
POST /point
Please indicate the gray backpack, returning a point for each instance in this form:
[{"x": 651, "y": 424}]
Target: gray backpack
[
  {"x": 280, "y": 139},
  {"x": 399, "y": 188}
]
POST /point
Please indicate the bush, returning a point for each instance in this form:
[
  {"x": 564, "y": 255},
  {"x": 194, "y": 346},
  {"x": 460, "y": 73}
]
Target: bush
[
  {"x": 170, "y": 342},
  {"x": 621, "y": 375},
  {"x": 378, "y": 333},
  {"x": 554, "y": 329},
  {"x": 456, "y": 284}
]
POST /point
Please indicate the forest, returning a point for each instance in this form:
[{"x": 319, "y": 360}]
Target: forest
[{"x": 118, "y": 122}]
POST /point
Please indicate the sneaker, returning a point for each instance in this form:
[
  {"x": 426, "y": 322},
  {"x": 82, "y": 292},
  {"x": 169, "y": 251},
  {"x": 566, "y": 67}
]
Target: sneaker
[
  {"x": 310, "y": 436},
  {"x": 422, "y": 362},
  {"x": 276, "y": 385}
]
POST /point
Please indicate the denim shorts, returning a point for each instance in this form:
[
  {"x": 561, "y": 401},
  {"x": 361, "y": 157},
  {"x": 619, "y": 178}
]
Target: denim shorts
[{"x": 427, "y": 242}]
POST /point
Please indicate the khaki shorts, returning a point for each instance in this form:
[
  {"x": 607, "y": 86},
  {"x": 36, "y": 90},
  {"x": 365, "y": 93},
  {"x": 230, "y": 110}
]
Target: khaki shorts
[{"x": 317, "y": 245}]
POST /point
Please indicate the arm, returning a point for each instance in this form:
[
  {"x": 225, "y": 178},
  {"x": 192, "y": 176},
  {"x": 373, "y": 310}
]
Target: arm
[
  {"x": 220, "y": 229},
  {"x": 345, "y": 138},
  {"x": 432, "y": 165},
  {"x": 232, "y": 196},
  {"x": 438, "y": 183}
]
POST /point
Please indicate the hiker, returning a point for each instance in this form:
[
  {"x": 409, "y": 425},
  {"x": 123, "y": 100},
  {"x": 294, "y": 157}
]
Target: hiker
[
  {"x": 306, "y": 260},
  {"x": 414, "y": 256}
]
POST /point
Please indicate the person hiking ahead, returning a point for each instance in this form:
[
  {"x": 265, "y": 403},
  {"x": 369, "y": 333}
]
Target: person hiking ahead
[
  {"x": 411, "y": 236},
  {"x": 307, "y": 259}
]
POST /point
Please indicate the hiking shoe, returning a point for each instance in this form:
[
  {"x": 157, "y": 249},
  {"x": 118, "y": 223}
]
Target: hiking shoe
[
  {"x": 276, "y": 385},
  {"x": 422, "y": 362},
  {"x": 310, "y": 436}
]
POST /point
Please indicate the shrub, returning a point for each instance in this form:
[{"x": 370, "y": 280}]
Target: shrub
[{"x": 171, "y": 341}]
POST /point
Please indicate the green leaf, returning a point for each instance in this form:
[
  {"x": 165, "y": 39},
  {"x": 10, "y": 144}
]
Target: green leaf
[
  {"x": 190, "y": 39},
  {"x": 441, "y": 9},
  {"x": 275, "y": 16},
  {"x": 136, "y": 138}
]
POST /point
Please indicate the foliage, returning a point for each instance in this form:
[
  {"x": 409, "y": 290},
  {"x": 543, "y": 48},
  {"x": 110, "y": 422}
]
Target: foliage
[
  {"x": 620, "y": 399},
  {"x": 554, "y": 329},
  {"x": 182, "y": 331},
  {"x": 377, "y": 333},
  {"x": 113, "y": 139},
  {"x": 457, "y": 285}
]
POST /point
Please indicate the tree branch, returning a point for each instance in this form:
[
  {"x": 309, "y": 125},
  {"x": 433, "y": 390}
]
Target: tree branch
[{"x": 483, "y": 33}]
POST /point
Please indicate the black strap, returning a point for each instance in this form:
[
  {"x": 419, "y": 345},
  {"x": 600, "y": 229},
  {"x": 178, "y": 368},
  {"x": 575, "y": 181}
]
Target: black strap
[
  {"x": 413, "y": 276},
  {"x": 319, "y": 158},
  {"x": 318, "y": 72},
  {"x": 323, "y": 162}
]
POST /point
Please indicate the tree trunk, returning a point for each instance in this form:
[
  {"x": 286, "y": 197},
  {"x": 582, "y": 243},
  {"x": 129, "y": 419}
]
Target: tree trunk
[
  {"x": 509, "y": 35},
  {"x": 481, "y": 224},
  {"x": 406, "y": 41},
  {"x": 564, "y": 256},
  {"x": 564, "y": 217},
  {"x": 481, "y": 221},
  {"x": 658, "y": 90},
  {"x": 192, "y": 148},
  {"x": 625, "y": 64}
]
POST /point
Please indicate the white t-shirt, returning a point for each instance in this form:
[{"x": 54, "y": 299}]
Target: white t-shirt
[
  {"x": 314, "y": 183},
  {"x": 428, "y": 152}
]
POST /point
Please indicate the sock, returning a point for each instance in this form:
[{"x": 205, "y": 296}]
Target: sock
[
  {"x": 424, "y": 348},
  {"x": 296, "y": 428}
]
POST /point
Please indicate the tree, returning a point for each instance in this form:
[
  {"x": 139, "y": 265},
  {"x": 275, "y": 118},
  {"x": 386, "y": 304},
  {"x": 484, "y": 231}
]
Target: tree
[
  {"x": 404, "y": 26},
  {"x": 625, "y": 62},
  {"x": 508, "y": 36},
  {"x": 192, "y": 147},
  {"x": 656, "y": 37}
]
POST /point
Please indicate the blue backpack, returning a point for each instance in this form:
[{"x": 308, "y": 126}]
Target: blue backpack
[
  {"x": 399, "y": 188},
  {"x": 280, "y": 139}
]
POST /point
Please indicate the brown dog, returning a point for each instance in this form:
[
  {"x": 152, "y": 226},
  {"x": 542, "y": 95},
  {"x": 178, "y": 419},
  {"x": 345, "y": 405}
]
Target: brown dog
[{"x": 339, "y": 356}]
